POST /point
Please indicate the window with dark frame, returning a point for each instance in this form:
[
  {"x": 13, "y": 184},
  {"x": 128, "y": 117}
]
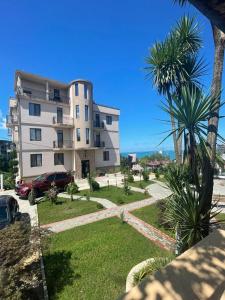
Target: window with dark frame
[
  {"x": 34, "y": 109},
  {"x": 58, "y": 159},
  {"x": 77, "y": 111},
  {"x": 87, "y": 136},
  {"x": 109, "y": 120},
  {"x": 105, "y": 155},
  {"x": 35, "y": 134},
  {"x": 86, "y": 112},
  {"x": 76, "y": 89},
  {"x": 56, "y": 94},
  {"x": 35, "y": 160},
  {"x": 78, "y": 134},
  {"x": 85, "y": 91}
]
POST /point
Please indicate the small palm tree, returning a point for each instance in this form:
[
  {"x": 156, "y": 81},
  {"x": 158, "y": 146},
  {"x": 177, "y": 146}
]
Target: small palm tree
[
  {"x": 184, "y": 209},
  {"x": 173, "y": 63}
]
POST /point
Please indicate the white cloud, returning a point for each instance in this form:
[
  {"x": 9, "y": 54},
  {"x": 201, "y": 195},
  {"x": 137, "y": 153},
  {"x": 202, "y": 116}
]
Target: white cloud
[{"x": 2, "y": 121}]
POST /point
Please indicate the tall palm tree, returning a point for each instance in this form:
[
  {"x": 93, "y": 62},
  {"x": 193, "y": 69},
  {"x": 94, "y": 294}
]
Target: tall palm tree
[
  {"x": 173, "y": 63},
  {"x": 208, "y": 169}
]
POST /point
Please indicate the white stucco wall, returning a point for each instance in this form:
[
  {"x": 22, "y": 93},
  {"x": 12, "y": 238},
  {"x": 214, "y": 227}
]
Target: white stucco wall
[{"x": 47, "y": 163}]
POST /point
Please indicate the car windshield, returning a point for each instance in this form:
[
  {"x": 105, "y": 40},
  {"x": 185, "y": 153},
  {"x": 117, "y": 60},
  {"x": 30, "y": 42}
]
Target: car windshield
[
  {"x": 40, "y": 178},
  {"x": 3, "y": 214}
]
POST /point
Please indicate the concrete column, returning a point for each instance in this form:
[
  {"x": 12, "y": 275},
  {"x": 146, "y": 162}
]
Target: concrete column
[
  {"x": 1, "y": 179},
  {"x": 47, "y": 91}
]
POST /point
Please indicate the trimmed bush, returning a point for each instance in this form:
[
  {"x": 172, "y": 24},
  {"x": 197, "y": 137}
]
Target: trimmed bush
[
  {"x": 52, "y": 193},
  {"x": 32, "y": 197},
  {"x": 72, "y": 189},
  {"x": 145, "y": 176},
  {"x": 130, "y": 178}
]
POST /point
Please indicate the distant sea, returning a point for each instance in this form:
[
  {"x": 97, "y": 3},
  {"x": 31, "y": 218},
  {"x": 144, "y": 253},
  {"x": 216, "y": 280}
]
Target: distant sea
[{"x": 141, "y": 154}]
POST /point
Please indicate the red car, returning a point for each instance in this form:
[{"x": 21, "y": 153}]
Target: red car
[{"x": 43, "y": 182}]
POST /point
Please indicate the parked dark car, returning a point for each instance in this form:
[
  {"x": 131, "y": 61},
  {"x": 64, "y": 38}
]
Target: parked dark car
[
  {"x": 43, "y": 182},
  {"x": 9, "y": 210}
]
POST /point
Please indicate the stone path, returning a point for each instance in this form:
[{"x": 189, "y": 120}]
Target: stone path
[
  {"x": 150, "y": 232},
  {"x": 105, "y": 202},
  {"x": 97, "y": 216}
]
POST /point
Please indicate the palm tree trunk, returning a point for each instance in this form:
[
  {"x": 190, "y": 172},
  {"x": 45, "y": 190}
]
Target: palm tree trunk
[
  {"x": 208, "y": 164},
  {"x": 173, "y": 125}
]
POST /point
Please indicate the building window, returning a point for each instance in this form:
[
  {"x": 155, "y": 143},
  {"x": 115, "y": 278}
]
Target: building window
[
  {"x": 77, "y": 111},
  {"x": 34, "y": 109},
  {"x": 109, "y": 120},
  {"x": 76, "y": 89},
  {"x": 87, "y": 135},
  {"x": 36, "y": 160},
  {"x": 78, "y": 134},
  {"x": 85, "y": 91},
  {"x": 105, "y": 155},
  {"x": 86, "y": 113},
  {"x": 56, "y": 94},
  {"x": 35, "y": 134},
  {"x": 58, "y": 159}
]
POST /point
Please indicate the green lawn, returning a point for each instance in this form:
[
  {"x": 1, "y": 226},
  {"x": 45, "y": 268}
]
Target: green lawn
[
  {"x": 221, "y": 217},
  {"x": 64, "y": 209},
  {"x": 149, "y": 215},
  {"x": 92, "y": 262},
  {"x": 143, "y": 183},
  {"x": 116, "y": 195}
]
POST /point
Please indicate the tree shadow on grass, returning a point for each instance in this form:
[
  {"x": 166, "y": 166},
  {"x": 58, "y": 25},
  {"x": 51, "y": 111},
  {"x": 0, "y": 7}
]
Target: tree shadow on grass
[{"x": 59, "y": 271}]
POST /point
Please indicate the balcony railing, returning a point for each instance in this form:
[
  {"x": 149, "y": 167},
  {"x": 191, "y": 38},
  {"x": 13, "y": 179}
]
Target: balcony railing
[
  {"x": 43, "y": 95},
  {"x": 98, "y": 124},
  {"x": 66, "y": 144},
  {"x": 64, "y": 121},
  {"x": 11, "y": 120},
  {"x": 100, "y": 144}
]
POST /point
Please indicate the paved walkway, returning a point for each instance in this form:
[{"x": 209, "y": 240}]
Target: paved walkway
[
  {"x": 97, "y": 216},
  {"x": 157, "y": 191},
  {"x": 150, "y": 232}
]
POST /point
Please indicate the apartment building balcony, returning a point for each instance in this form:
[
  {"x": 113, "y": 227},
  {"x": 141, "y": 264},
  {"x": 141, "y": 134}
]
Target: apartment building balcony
[
  {"x": 99, "y": 144},
  {"x": 63, "y": 145},
  {"x": 98, "y": 125},
  {"x": 11, "y": 121},
  {"x": 62, "y": 122},
  {"x": 43, "y": 95}
]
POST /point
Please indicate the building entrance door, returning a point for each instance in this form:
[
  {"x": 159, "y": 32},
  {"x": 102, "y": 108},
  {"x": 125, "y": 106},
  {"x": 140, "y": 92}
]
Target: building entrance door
[{"x": 85, "y": 168}]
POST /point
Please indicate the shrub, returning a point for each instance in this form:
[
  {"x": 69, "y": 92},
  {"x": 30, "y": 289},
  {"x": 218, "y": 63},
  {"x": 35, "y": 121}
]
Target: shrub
[
  {"x": 120, "y": 201},
  {"x": 126, "y": 188},
  {"x": 32, "y": 197},
  {"x": 140, "y": 185},
  {"x": 152, "y": 267},
  {"x": 52, "y": 193},
  {"x": 18, "y": 280},
  {"x": 130, "y": 178},
  {"x": 94, "y": 185},
  {"x": 99, "y": 206},
  {"x": 157, "y": 174},
  {"x": 161, "y": 215},
  {"x": 71, "y": 189},
  {"x": 122, "y": 217},
  {"x": 88, "y": 197},
  {"x": 145, "y": 176},
  {"x": 8, "y": 181}
]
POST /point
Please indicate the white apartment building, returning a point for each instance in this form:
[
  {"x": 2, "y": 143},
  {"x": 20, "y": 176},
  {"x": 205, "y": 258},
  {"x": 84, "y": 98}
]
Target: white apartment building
[{"x": 59, "y": 127}]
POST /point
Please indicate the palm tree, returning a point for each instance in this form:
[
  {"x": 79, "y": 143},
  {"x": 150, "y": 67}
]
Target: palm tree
[
  {"x": 174, "y": 63},
  {"x": 208, "y": 169},
  {"x": 184, "y": 208}
]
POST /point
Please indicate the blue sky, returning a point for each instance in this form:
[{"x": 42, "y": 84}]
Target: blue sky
[{"x": 103, "y": 41}]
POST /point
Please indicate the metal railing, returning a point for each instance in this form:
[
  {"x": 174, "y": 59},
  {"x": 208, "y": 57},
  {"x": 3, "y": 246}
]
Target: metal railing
[
  {"x": 62, "y": 144},
  {"x": 97, "y": 124},
  {"x": 62, "y": 121},
  {"x": 43, "y": 95},
  {"x": 99, "y": 144}
]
